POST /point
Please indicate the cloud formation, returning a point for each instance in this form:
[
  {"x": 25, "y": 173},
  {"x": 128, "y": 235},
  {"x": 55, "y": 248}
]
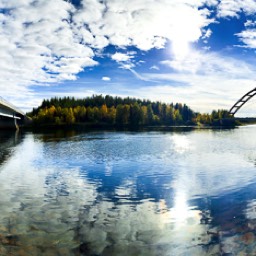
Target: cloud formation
[
  {"x": 248, "y": 38},
  {"x": 47, "y": 42},
  {"x": 38, "y": 44},
  {"x": 105, "y": 78},
  {"x": 121, "y": 57},
  {"x": 233, "y": 8},
  {"x": 51, "y": 41}
]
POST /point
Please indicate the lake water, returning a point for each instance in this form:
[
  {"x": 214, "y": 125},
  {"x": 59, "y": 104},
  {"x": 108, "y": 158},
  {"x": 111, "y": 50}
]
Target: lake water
[{"x": 129, "y": 193}]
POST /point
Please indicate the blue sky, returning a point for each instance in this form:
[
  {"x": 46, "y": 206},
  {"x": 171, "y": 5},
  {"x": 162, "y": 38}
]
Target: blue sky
[{"x": 198, "y": 52}]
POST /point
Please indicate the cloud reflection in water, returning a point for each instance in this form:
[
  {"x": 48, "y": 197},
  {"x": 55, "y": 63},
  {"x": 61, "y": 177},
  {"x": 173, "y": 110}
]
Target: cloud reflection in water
[{"x": 85, "y": 196}]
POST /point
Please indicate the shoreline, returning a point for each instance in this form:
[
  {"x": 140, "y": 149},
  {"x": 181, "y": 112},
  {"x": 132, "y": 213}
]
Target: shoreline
[{"x": 107, "y": 127}]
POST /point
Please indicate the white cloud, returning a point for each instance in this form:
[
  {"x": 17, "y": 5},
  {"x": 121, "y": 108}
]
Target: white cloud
[
  {"x": 201, "y": 93},
  {"x": 38, "y": 45},
  {"x": 205, "y": 81},
  {"x": 121, "y": 57},
  {"x": 155, "y": 67},
  {"x": 233, "y": 8},
  {"x": 248, "y": 37},
  {"x": 50, "y": 41},
  {"x": 212, "y": 63},
  {"x": 127, "y": 66},
  {"x": 106, "y": 78},
  {"x": 228, "y": 8},
  {"x": 207, "y": 34},
  {"x": 125, "y": 60},
  {"x": 250, "y": 23},
  {"x": 211, "y": 2},
  {"x": 147, "y": 24},
  {"x": 43, "y": 42}
]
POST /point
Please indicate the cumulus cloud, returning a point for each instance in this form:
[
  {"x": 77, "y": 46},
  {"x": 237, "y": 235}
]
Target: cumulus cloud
[
  {"x": 250, "y": 23},
  {"x": 44, "y": 42},
  {"x": 125, "y": 60},
  {"x": 207, "y": 34},
  {"x": 248, "y": 38},
  {"x": 121, "y": 57},
  {"x": 106, "y": 78},
  {"x": 233, "y": 8},
  {"x": 38, "y": 45},
  {"x": 51, "y": 41}
]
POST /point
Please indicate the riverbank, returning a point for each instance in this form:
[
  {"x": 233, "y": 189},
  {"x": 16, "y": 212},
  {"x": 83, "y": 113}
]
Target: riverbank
[{"x": 109, "y": 127}]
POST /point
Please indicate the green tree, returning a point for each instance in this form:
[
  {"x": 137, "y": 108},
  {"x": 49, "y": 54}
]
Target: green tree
[
  {"x": 177, "y": 116},
  {"x": 122, "y": 114},
  {"x": 90, "y": 114},
  {"x": 69, "y": 116},
  {"x": 104, "y": 112},
  {"x": 150, "y": 114},
  {"x": 136, "y": 115},
  {"x": 96, "y": 114},
  {"x": 169, "y": 115},
  {"x": 111, "y": 117},
  {"x": 119, "y": 115},
  {"x": 126, "y": 114},
  {"x": 79, "y": 113},
  {"x": 144, "y": 114}
]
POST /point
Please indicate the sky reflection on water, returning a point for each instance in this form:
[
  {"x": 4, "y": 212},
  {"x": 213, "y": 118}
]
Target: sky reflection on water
[{"x": 127, "y": 193}]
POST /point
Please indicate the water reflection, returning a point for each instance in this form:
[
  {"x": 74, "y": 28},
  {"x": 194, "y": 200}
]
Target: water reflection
[
  {"x": 8, "y": 140},
  {"x": 188, "y": 193}
]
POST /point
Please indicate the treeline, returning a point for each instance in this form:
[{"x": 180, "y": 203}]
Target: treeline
[
  {"x": 110, "y": 110},
  {"x": 117, "y": 111},
  {"x": 220, "y": 117}
]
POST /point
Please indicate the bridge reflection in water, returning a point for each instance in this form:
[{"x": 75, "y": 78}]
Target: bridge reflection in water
[
  {"x": 10, "y": 116},
  {"x": 8, "y": 140}
]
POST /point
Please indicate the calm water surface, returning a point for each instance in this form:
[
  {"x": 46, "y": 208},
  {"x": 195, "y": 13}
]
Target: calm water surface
[{"x": 128, "y": 193}]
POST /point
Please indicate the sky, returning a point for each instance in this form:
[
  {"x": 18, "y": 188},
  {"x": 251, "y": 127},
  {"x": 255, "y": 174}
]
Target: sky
[{"x": 198, "y": 52}]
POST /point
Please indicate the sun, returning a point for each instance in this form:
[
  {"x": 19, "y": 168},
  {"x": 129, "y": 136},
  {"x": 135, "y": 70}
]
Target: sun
[
  {"x": 180, "y": 48},
  {"x": 182, "y": 34}
]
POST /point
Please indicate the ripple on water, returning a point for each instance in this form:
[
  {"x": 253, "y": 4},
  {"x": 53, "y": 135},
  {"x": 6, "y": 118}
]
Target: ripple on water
[{"x": 107, "y": 193}]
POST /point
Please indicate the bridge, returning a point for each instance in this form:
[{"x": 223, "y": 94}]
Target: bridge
[
  {"x": 242, "y": 101},
  {"x": 10, "y": 116}
]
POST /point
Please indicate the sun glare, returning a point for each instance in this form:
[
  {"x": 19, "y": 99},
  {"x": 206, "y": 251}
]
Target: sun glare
[
  {"x": 180, "y": 48},
  {"x": 182, "y": 34},
  {"x": 180, "y": 211},
  {"x": 181, "y": 143}
]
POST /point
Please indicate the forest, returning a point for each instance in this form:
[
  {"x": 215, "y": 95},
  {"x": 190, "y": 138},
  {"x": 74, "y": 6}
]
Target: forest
[{"x": 119, "y": 112}]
